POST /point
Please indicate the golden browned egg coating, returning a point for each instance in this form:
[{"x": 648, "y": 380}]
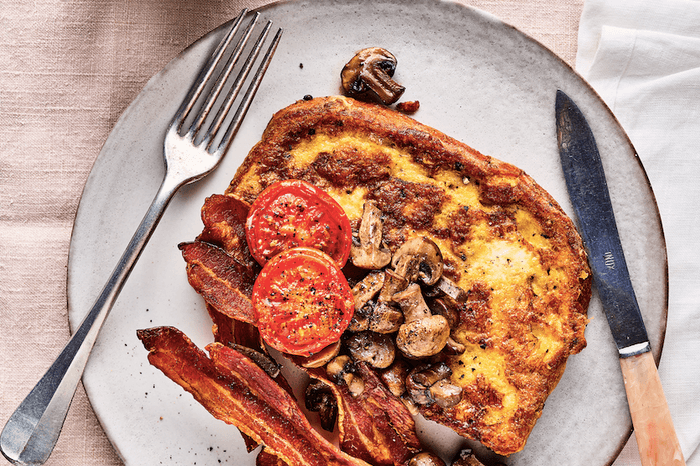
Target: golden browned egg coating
[{"x": 504, "y": 240}]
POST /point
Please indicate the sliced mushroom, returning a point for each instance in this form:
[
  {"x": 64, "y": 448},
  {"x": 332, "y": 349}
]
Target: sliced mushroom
[
  {"x": 451, "y": 289},
  {"x": 412, "y": 303},
  {"x": 368, "y": 76},
  {"x": 427, "y": 376},
  {"x": 420, "y": 380},
  {"x": 445, "y": 394},
  {"x": 375, "y": 349},
  {"x": 443, "y": 307},
  {"x": 385, "y": 319},
  {"x": 422, "y": 334},
  {"x": 446, "y": 307},
  {"x": 320, "y": 398},
  {"x": 420, "y": 394},
  {"x": 393, "y": 283},
  {"x": 426, "y": 459},
  {"x": 322, "y": 358},
  {"x": 454, "y": 347},
  {"x": 370, "y": 253},
  {"x": 418, "y": 258},
  {"x": 364, "y": 291},
  {"x": 367, "y": 288},
  {"x": 360, "y": 319},
  {"x": 376, "y": 317},
  {"x": 431, "y": 384},
  {"x": 262, "y": 360},
  {"x": 341, "y": 371},
  {"x": 394, "y": 377}
]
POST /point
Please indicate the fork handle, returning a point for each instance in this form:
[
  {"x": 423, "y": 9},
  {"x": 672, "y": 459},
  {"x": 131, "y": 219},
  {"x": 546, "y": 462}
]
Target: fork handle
[{"x": 31, "y": 433}]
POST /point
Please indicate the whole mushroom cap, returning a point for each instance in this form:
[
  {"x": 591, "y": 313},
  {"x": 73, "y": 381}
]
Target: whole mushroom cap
[{"x": 424, "y": 337}]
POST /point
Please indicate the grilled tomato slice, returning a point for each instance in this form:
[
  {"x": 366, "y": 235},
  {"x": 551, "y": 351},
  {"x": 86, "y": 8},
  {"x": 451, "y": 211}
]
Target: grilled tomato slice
[
  {"x": 302, "y": 301},
  {"x": 294, "y": 213}
]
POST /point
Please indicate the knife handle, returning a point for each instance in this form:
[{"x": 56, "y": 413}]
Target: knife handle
[{"x": 651, "y": 418}]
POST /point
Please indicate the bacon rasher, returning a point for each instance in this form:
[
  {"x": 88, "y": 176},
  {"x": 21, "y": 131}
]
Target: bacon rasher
[
  {"x": 222, "y": 281},
  {"x": 224, "y": 218},
  {"x": 235, "y": 390}
]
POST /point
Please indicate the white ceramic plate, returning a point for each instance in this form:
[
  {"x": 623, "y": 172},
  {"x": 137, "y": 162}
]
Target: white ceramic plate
[{"x": 478, "y": 80}]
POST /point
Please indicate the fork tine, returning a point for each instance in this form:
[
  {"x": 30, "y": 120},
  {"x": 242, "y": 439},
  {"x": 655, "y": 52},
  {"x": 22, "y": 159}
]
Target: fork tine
[
  {"x": 235, "y": 123},
  {"x": 220, "y": 81},
  {"x": 238, "y": 83},
  {"x": 205, "y": 74}
]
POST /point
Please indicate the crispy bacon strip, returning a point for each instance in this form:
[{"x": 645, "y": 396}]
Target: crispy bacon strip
[
  {"x": 374, "y": 426},
  {"x": 228, "y": 331},
  {"x": 225, "y": 283},
  {"x": 233, "y": 389},
  {"x": 222, "y": 326},
  {"x": 224, "y": 218},
  {"x": 244, "y": 337}
]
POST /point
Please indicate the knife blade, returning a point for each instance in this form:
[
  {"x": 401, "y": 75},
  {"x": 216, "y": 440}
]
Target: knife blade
[{"x": 588, "y": 190}]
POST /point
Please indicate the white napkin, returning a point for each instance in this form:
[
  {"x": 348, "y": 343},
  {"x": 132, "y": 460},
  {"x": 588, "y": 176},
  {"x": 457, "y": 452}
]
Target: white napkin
[{"x": 643, "y": 58}]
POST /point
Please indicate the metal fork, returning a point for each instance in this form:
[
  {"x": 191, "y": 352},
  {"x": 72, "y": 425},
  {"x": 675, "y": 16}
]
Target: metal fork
[{"x": 190, "y": 153}]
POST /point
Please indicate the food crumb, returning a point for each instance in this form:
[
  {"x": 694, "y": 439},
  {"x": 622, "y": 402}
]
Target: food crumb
[{"x": 408, "y": 107}]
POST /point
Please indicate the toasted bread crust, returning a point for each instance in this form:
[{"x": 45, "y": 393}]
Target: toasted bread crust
[{"x": 504, "y": 239}]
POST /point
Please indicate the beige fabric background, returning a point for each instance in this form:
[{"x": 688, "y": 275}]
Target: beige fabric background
[{"x": 68, "y": 69}]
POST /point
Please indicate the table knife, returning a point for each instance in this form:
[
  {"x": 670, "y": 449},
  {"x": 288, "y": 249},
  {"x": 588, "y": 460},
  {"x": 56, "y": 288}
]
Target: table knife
[{"x": 588, "y": 190}]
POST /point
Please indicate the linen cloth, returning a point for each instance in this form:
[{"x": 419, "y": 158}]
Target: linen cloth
[
  {"x": 69, "y": 68},
  {"x": 643, "y": 57}
]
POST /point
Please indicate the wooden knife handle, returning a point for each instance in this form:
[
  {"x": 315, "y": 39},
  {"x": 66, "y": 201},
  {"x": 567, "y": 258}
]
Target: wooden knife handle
[{"x": 651, "y": 418}]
